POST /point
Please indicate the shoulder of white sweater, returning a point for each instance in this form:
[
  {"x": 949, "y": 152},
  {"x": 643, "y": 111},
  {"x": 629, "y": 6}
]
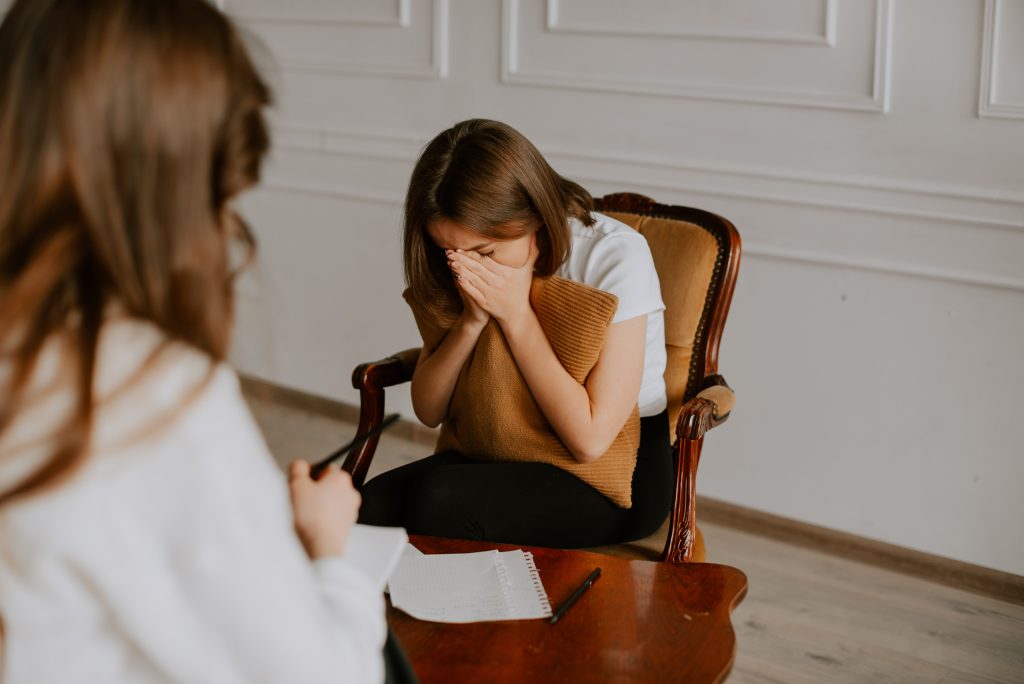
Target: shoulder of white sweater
[
  {"x": 604, "y": 227},
  {"x": 162, "y": 409},
  {"x": 136, "y": 357}
]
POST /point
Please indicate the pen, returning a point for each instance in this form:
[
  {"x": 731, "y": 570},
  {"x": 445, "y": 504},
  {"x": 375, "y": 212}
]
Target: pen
[
  {"x": 575, "y": 595},
  {"x": 317, "y": 470}
]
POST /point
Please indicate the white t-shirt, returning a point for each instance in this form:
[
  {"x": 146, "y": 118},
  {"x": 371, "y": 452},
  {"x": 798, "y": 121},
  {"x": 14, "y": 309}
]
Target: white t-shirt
[
  {"x": 170, "y": 556},
  {"x": 613, "y": 257}
]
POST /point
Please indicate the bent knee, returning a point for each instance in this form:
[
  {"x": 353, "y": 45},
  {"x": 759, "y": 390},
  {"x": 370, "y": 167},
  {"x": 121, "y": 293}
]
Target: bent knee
[{"x": 442, "y": 508}]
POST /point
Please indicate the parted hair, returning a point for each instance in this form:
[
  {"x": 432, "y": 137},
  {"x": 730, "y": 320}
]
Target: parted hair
[
  {"x": 126, "y": 126},
  {"x": 485, "y": 176}
]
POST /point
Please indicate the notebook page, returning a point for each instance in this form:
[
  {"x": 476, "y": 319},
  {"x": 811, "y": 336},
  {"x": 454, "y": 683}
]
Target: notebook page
[
  {"x": 527, "y": 596},
  {"x": 453, "y": 587},
  {"x": 409, "y": 550}
]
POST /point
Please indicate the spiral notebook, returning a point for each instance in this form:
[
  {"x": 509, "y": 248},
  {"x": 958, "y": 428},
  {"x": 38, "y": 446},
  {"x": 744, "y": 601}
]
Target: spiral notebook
[{"x": 469, "y": 587}]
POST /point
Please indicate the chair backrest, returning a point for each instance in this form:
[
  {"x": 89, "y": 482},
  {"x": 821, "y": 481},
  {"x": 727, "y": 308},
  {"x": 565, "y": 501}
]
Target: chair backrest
[{"x": 697, "y": 256}]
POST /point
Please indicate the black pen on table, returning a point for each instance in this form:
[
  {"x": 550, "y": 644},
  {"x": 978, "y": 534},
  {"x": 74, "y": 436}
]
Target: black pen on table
[
  {"x": 317, "y": 470},
  {"x": 562, "y": 609}
]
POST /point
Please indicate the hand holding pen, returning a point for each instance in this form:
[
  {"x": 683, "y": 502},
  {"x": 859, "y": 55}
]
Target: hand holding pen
[
  {"x": 325, "y": 504},
  {"x": 322, "y": 465},
  {"x": 323, "y": 510}
]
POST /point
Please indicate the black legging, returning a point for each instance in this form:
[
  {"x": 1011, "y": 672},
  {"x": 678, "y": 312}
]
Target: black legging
[{"x": 535, "y": 504}]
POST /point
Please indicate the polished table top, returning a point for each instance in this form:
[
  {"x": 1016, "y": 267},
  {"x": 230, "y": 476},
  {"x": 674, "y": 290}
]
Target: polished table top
[{"x": 641, "y": 621}]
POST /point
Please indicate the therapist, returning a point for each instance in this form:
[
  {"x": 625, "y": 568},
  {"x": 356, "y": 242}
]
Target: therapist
[{"x": 145, "y": 533}]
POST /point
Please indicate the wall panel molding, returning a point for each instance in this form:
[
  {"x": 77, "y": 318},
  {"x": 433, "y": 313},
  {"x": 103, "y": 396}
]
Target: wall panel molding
[
  {"x": 876, "y": 100},
  {"x": 963, "y": 209},
  {"x": 957, "y": 277},
  {"x": 947, "y": 204},
  {"x": 826, "y": 37},
  {"x": 373, "y": 145},
  {"x": 401, "y": 19},
  {"x": 350, "y": 194},
  {"x": 989, "y": 105},
  {"x": 435, "y": 68},
  {"x": 750, "y": 248}
]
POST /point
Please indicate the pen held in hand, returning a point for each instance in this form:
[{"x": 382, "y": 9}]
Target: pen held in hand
[
  {"x": 562, "y": 609},
  {"x": 317, "y": 470}
]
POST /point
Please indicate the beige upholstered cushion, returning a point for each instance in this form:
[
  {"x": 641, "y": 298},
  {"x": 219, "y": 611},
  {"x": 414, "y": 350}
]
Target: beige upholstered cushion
[
  {"x": 722, "y": 397},
  {"x": 493, "y": 415},
  {"x": 684, "y": 256}
]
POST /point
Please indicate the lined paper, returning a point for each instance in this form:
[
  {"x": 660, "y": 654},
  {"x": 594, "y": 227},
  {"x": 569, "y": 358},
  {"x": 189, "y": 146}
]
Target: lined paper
[
  {"x": 469, "y": 587},
  {"x": 375, "y": 551}
]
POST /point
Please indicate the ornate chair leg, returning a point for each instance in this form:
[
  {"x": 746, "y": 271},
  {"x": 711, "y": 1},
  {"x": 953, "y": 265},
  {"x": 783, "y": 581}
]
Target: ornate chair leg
[{"x": 683, "y": 524}]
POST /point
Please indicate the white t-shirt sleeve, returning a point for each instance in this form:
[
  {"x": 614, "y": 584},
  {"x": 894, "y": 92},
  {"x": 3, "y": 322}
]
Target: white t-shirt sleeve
[
  {"x": 622, "y": 265},
  {"x": 222, "y": 591}
]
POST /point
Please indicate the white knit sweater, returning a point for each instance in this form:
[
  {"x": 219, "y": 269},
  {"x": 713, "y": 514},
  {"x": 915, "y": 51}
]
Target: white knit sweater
[{"x": 170, "y": 556}]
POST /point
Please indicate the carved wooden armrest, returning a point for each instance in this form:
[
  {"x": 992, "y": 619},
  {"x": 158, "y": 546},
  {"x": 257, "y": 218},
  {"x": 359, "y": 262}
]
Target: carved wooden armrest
[
  {"x": 371, "y": 379},
  {"x": 709, "y": 408},
  {"x": 387, "y": 372}
]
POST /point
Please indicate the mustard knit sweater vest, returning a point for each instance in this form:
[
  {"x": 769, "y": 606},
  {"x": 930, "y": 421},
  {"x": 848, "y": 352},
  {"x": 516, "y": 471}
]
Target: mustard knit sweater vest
[{"x": 494, "y": 417}]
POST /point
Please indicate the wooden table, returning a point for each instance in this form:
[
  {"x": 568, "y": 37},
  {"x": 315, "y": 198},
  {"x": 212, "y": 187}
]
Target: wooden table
[{"x": 640, "y": 622}]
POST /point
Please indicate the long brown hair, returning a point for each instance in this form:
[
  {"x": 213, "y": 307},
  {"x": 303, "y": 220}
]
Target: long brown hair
[
  {"x": 484, "y": 175},
  {"x": 126, "y": 126}
]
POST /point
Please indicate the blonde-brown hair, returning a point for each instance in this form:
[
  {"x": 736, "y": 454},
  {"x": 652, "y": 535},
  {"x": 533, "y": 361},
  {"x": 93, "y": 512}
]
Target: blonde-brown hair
[
  {"x": 484, "y": 175},
  {"x": 125, "y": 129}
]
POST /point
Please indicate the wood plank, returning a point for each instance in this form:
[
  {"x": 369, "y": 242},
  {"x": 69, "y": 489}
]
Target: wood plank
[{"x": 821, "y": 613}]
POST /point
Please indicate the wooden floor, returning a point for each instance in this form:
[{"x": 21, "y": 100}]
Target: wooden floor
[{"x": 808, "y": 616}]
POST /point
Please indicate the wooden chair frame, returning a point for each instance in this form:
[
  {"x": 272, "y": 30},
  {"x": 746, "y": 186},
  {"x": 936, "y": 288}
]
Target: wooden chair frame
[{"x": 697, "y": 416}]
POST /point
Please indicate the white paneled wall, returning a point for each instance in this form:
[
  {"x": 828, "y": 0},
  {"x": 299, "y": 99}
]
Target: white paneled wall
[{"x": 869, "y": 151}]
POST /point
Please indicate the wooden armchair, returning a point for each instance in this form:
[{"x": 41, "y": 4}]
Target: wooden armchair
[{"x": 697, "y": 256}]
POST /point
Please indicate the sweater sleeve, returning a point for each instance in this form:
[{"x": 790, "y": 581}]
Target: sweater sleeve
[{"x": 211, "y": 583}]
